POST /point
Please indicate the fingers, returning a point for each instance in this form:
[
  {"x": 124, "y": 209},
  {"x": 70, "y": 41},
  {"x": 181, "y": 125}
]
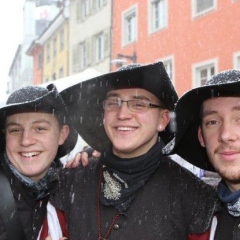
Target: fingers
[
  {"x": 84, "y": 158},
  {"x": 96, "y": 154},
  {"x": 73, "y": 163}
]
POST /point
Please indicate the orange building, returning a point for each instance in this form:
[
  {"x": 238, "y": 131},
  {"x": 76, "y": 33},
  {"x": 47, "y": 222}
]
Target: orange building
[
  {"x": 194, "y": 38},
  {"x": 36, "y": 51}
]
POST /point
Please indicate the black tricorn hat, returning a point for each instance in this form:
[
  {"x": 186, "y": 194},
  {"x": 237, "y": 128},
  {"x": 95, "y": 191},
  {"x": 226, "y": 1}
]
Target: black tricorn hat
[
  {"x": 39, "y": 99},
  {"x": 84, "y": 100},
  {"x": 188, "y": 119}
]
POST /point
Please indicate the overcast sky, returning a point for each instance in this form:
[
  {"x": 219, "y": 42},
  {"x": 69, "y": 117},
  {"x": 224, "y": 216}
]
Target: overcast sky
[{"x": 11, "y": 27}]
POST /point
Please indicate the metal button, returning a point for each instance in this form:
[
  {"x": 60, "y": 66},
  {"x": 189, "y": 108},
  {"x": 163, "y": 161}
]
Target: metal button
[{"x": 116, "y": 227}]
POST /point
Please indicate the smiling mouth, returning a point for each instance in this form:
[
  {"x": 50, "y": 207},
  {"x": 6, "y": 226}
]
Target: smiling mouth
[
  {"x": 126, "y": 128},
  {"x": 30, "y": 154}
]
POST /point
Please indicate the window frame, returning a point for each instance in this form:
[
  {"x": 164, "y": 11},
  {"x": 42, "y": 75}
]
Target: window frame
[
  {"x": 129, "y": 14},
  {"x": 99, "y": 50},
  {"x": 82, "y": 55},
  {"x": 169, "y": 59},
  {"x": 196, "y": 68},
  {"x": 152, "y": 17},
  {"x": 236, "y": 61},
  {"x": 54, "y": 47},
  {"x": 61, "y": 39},
  {"x": 203, "y": 12}
]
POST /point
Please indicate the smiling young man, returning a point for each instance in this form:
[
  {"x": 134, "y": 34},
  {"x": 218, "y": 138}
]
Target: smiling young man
[
  {"x": 208, "y": 136},
  {"x": 35, "y": 132},
  {"x": 133, "y": 191}
]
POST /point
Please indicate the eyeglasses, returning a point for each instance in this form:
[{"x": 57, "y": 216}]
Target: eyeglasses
[{"x": 136, "y": 105}]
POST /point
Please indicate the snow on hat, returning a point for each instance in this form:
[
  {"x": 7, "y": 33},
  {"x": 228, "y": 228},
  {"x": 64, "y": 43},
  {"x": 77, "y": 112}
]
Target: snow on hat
[
  {"x": 38, "y": 99},
  {"x": 188, "y": 119},
  {"x": 84, "y": 100}
]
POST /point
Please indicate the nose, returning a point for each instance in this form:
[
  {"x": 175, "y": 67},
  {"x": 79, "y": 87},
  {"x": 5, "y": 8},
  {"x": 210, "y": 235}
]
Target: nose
[
  {"x": 124, "y": 112},
  {"x": 228, "y": 132},
  {"x": 27, "y": 138}
]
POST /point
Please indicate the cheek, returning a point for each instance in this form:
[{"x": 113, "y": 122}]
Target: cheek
[
  {"x": 11, "y": 141},
  {"x": 150, "y": 119}
]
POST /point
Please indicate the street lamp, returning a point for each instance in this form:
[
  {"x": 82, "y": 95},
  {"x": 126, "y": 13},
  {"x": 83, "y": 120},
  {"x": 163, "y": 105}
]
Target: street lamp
[{"x": 119, "y": 61}]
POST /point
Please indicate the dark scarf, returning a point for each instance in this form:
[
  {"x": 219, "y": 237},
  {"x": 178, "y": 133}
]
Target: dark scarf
[
  {"x": 39, "y": 189},
  {"x": 123, "y": 178},
  {"x": 231, "y": 200}
]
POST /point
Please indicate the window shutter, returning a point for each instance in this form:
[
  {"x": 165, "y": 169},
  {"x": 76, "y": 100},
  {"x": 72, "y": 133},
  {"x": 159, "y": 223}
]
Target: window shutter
[
  {"x": 88, "y": 52},
  {"x": 107, "y": 41}
]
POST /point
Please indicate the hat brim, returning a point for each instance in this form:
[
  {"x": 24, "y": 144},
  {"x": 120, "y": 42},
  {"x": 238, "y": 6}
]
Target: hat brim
[
  {"x": 40, "y": 105},
  {"x": 188, "y": 120},
  {"x": 84, "y": 100}
]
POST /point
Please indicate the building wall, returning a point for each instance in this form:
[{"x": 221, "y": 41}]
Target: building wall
[
  {"x": 37, "y": 64},
  {"x": 35, "y": 19},
  {"x": 84, "y": 29},
  {"x": 53, "y": 66},
  {"x": 188, "y": 40}
]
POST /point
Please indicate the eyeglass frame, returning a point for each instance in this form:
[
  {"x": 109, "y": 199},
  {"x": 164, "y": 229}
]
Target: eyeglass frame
[{"x": 120, "y": 102}]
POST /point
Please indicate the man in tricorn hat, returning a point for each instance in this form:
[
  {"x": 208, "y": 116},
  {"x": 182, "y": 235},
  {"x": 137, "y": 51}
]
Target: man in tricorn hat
[
  {"x": 132, "y": 191},
  {"x": 36, "y": 131},
  {"x": 208, "y": 136}
]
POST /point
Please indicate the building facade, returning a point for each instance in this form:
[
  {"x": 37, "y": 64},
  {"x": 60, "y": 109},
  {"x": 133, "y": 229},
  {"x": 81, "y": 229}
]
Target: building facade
[
  {"x": 37, "y": 15},
  {"x": 195, "y": 38},
  {"x": 90, "y": 35}
]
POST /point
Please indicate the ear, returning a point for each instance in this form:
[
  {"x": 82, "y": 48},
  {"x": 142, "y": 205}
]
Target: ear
[
  {"x": 164, "y": 119},
  {"x": 64, "y": 132},
  {"x": 200, "y": 137}
]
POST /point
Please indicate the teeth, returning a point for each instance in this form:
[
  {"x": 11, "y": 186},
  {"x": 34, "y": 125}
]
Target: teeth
[
  {"x": 30, "y": 154},
  {"x": 125, "y": 128}
]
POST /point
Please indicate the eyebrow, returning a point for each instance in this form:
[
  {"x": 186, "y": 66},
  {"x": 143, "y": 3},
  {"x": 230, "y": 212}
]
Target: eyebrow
[
  {"x": 134, "y": 96},
  {"x": 210, "y": 112},
  {"x": 12, "y": 123}
]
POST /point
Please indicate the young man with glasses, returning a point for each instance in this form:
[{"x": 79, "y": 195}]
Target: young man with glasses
[{"x": 132, "y": 191}]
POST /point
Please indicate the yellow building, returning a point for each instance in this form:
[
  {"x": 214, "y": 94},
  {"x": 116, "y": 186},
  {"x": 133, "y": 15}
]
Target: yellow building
[{"x": 55, "y": 48}]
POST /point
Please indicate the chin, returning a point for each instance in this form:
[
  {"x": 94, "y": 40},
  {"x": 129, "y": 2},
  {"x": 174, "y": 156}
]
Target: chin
[{"x": 231, "y": 176}]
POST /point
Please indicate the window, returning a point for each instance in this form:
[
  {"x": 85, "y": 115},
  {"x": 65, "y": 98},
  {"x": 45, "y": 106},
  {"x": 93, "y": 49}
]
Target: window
[
  {"x": 40, "y": 60},
  {"x": 129, "y": 26},
  {"x": 85, "y": 8},
  {"x": 48, "y": 53},
  {"x": 61, "y": 73},
  {"x": 82, "y": 53},
  {"x": 54, "y": 47},
  {"x": 99, "y": 47},
  {"x": 203, "y": 6},
  {"x": 42, "y": 2},
  {"x": 61, "y": 42},
  {"x": 168, "y": 64},
  {"x": 158, "y": 14},
  {"x": 236, "y": 63},
  {"x": 78, "y": 10},
  {"x": 204, "y": 72},
  {"x": 54, "y": 76},
  {"x": 99, "y": 3}
]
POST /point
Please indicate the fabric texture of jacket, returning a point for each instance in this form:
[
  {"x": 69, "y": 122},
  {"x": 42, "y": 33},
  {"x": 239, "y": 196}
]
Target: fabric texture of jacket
[
  {"x": 31, "y": 212},
  {"x": 226, "y": 227},
  {"x": 172, "y": 205}
]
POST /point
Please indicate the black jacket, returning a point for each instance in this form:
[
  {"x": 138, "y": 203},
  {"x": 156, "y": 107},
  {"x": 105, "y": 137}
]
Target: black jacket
[
  {"x": 172, "y": 204},
  {"x": 29, "y": 209}
]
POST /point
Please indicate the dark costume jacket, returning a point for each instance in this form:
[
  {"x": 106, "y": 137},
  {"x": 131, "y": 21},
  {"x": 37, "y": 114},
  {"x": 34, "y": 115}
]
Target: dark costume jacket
[
  {"x": 30, "y": 210},
  {"x": 224, "y": 227},
  {"x": 173, "y": 204}
]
